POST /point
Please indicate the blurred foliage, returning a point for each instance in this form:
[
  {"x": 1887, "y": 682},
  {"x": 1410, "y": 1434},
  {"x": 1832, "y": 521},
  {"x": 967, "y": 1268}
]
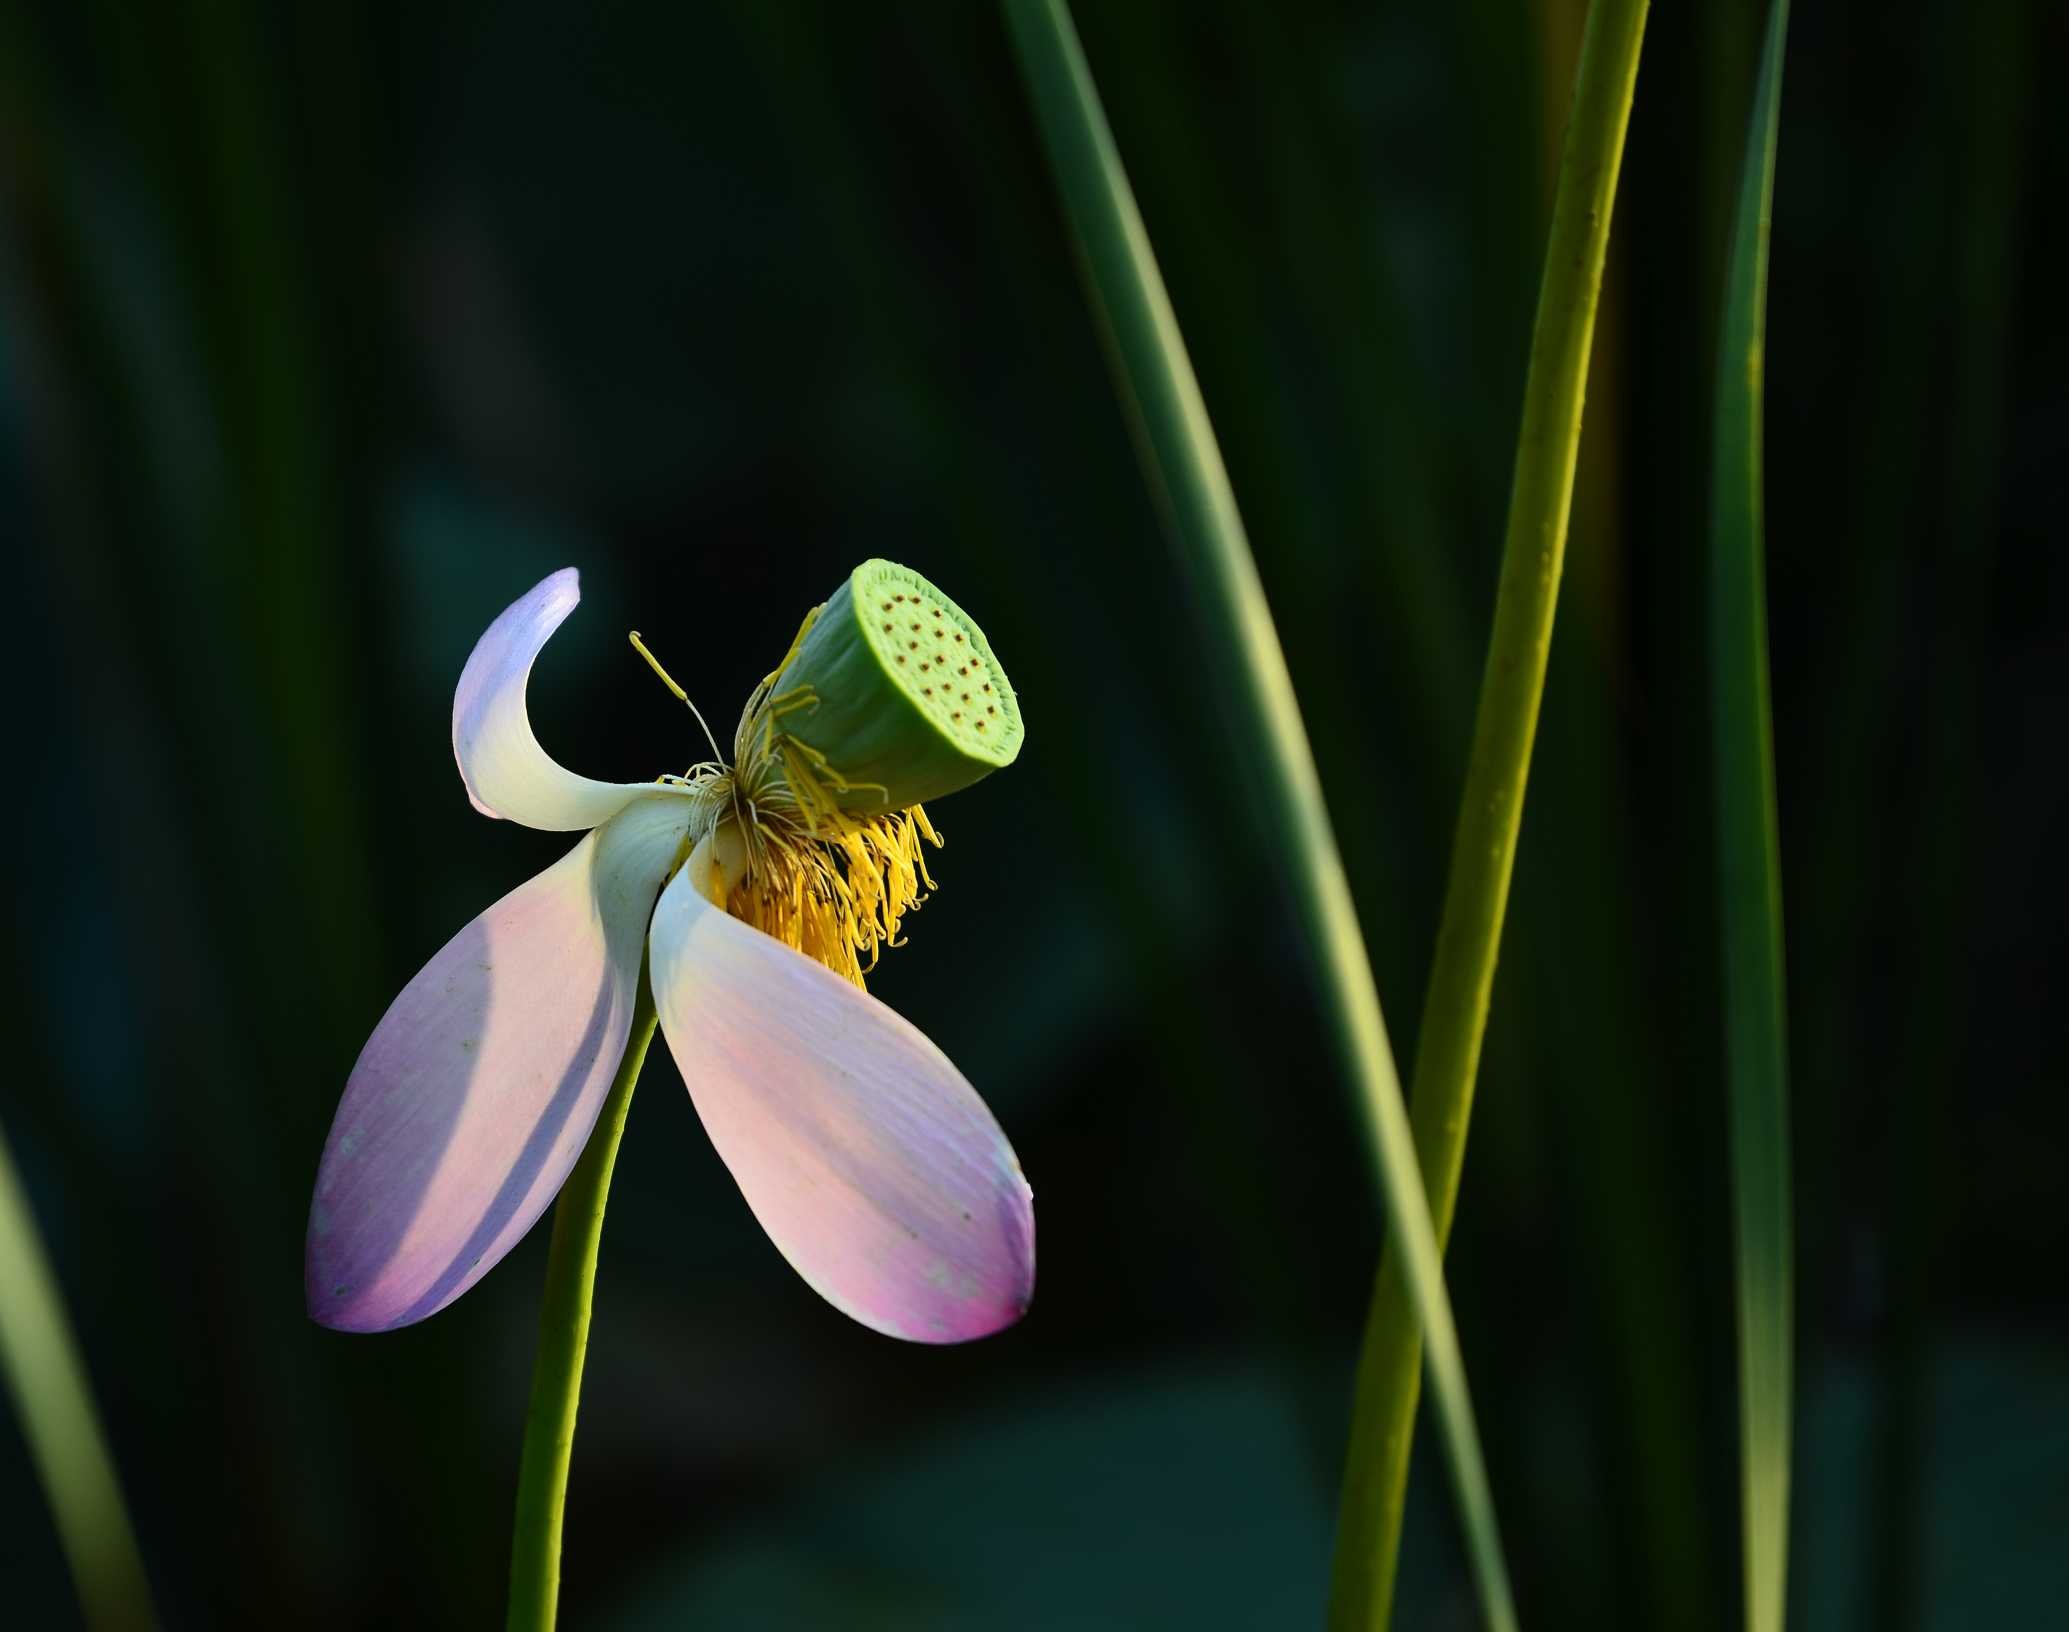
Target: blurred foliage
[{"x": 326, "y": 330}]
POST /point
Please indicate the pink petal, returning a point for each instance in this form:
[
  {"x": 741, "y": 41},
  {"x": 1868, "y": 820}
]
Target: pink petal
[
  {"x": 871, "y": 1162},
  {"x": 478, "y": 1089},
  {"x": 506, "y": 771}
]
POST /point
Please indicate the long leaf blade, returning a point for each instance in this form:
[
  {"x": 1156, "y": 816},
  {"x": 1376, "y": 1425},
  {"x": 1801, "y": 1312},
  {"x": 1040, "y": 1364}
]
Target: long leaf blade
[
  {"x": 1749, "y": 876},
  {"x": 1185, "y": 468},
  {"x": 1490, "y": 811},
  {"x": 40, "y": 1364}
]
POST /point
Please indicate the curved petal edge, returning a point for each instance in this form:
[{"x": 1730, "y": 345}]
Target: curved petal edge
[
  {"x": 507, "y": 774},
  {"x": 871, "y": 1162},
  {"x": 477, "y": 1090}
]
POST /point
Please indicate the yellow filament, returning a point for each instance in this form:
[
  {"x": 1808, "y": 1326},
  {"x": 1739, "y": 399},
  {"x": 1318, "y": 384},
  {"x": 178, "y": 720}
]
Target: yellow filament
[{"x": 681, "y": 696}]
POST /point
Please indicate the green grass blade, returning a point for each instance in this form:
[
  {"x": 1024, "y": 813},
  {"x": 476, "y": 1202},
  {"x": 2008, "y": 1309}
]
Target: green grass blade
[
  {"x": 1749, "y": 877},
  {"x": 1192, "y": 487},
  {"x": 1491, "y": 809},
  {"x": 41, "y": 1365}
]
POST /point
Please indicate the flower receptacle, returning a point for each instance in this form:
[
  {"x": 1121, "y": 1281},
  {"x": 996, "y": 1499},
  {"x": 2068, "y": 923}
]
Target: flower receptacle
[{"x": 896, "y": 692}]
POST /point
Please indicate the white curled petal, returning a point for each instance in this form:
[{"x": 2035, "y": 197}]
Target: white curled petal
[
  {"x": 507, "y": 773},
  {"x": 478, "y": 1089},
  {"x": 871, "y": 1162}
]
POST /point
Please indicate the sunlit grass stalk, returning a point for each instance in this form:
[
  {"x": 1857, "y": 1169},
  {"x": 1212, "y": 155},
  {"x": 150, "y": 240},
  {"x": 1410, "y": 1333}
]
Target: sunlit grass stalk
[
  {"x": 1749, "y": 876},
  {"x": 1192, "y": 486},
  {"x": 1491, "y": 810},
  {"x": 49, "y": 1385},
  {"x": 549, "y": 1433}
]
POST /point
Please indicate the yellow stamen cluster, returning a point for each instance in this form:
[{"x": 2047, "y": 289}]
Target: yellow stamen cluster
[
  {"x": 832, "y": 884},
  {"x": 836, "y": 895}
]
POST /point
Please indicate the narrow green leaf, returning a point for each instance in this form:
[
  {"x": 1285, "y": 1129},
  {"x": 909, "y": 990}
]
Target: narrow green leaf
[
  {"x": 1490, "y": 811},
  {"x": 1185, "y": 469},
  {"x": 40, "y": 1363},
  {"x": 1749, "y": 876}
]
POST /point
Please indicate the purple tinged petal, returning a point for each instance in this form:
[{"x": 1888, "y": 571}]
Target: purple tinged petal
[
  {"x": 507, "y": 773},
  {"x": 871, "y": 1162},
  {"x": 477, "y": 1091}
]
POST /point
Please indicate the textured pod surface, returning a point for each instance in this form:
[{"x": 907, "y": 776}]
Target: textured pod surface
[{"x": 911, "y": 701}]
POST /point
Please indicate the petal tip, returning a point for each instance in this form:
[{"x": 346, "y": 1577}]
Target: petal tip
[
  {"x": 1000, "y": 1300},
  {"x": 332, "y": 1295},
  {"x": 565, "y": 584},
  {"x": 337, "y": 1306}
]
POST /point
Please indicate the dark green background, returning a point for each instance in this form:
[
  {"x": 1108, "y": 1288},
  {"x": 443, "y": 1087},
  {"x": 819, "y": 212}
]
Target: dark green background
[{"x": 325, "y": 332}]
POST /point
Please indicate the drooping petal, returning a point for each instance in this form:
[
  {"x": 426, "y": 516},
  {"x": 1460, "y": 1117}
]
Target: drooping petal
[
  {"x": 507, "y": 773},
  {"x": 478, "y": 1089},
  {"x": 867, "y": 1157}
]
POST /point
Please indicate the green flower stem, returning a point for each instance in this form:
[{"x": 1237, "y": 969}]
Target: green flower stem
[
  {"x": 549, "y": 1432},
  {"x": 41, "y": 1365},
  {"x": 1185, "y": 469},
  {"x": 1490, "y": 812}
]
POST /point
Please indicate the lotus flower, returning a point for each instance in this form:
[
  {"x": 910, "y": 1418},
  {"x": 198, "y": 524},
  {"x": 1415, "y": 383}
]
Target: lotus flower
[{"x": 755, "y": 894}]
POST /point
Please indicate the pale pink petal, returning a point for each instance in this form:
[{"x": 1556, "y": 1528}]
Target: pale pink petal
[
  {"x": 871, "y": 1162},
  {"x": 506, "y": 771},
  {"x": 478, "y": 1089}
]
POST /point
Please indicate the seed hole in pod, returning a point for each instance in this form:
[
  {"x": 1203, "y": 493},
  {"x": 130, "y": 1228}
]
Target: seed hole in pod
[
  {"x": 959, "y": 640},
  {"x": 897, "y": 597},
  {"x": 991, "y": 710},
  {"x": 937, "y": 611},
  {"x": 887, "y": 606},
  {"x": 958, "y": 714},
  {"x": 901, "y": 657},
  {"x": 926, "y": 691},
  {"x": 987, "y": 685},
  {"x": 980, "y": 725},
  {"x": 913, "y": 645},
  {"x": 915, "y": 628},
  {"x": 966, "y": 696},
  {"x": 887, "y": 628}
]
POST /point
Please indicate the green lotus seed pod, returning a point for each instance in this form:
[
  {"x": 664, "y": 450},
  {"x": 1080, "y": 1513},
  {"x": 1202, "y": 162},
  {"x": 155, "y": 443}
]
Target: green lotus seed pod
[{"x": 910, "y": 703}]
